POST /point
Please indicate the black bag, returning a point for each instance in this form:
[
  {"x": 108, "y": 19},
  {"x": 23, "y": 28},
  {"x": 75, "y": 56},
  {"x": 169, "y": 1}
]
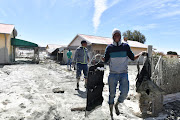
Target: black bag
[
  {"x": 145, "y": 73},
  {"x": 94, "y": 87},
  {"x": 143, "y": 80}
]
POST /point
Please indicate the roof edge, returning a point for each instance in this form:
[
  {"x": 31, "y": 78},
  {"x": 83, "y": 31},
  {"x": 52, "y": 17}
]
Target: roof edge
[{"x": 94, "y": 36}]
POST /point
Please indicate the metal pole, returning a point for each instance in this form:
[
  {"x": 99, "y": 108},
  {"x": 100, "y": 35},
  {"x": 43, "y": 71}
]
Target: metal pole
[
  {"x": 150, "y": 57},
  {"x": 57, "y": 55}
]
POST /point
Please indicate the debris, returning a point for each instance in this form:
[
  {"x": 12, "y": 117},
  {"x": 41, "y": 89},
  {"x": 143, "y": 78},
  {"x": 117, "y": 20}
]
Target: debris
[
  {"x": 57, "y": 90},
  {"x": 22, "y": 105},
  {"x": 6, "y": 102},
  {"x": 78, "y": 109}
]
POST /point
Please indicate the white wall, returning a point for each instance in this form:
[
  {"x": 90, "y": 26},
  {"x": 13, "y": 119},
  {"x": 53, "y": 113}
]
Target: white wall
[{"x": 77, "y": 41}]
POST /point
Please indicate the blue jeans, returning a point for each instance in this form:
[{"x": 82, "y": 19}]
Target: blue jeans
[
  {"x": 81, "y": 67},
  {"x": 113, "y": 80},
  {"x": 69, "y": 62}
]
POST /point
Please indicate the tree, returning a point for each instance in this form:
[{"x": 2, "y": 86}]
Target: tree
[
  {"x": 160, "y": 53},
  {"x": 171, "y": 53},
  {"x": 135, "y": 36}
]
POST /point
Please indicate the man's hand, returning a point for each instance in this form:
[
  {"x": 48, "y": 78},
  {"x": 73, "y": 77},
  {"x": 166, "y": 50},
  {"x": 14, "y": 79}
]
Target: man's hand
[
  {"x": 144, "y": 53},
  {"x": 103, "y": 59}
]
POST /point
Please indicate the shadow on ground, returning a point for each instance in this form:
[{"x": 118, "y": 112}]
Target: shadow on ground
[{"x": 82, "y": 94}]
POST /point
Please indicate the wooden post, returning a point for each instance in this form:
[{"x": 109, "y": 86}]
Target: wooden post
[
  {"x": 150, "y": 57},
  {"x": 160, "y": 72},
  {"x": 57, "y": 55}
]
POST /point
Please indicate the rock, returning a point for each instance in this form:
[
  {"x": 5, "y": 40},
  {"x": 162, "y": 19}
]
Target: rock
[
  {"x": 128, "y": 98},
  {"x": 6, "y": 102},
  {"x": 22, "y": 105},
  {"x": 78, "y": 109},
  {"x": 172, "y": 109},
  {"x": 57, "y": 90}
]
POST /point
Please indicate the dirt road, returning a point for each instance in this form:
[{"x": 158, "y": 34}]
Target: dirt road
[{"x": 26, "y": 94}]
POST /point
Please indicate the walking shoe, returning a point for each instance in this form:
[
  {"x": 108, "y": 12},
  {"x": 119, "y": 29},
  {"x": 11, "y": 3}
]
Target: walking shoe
[
  {"x": 77, "y": 86},
  {"x": 111, "y": 111},
  {"x": 85, "y": 85},
  {"x": 116, "y": 108}
]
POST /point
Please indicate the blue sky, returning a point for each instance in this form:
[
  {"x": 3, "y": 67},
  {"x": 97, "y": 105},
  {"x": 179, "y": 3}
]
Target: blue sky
[{"x": 59, "y": 21}]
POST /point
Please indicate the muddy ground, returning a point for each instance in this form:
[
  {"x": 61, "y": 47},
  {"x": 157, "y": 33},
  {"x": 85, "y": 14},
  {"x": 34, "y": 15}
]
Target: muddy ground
[{"x": 26, "y": 94}]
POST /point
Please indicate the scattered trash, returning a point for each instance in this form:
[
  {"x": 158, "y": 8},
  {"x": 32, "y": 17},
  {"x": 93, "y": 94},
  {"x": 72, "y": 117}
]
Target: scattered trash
[
  {"x": 78, "y": 109},
  {"x": 22, "y": 105},
  {"x": 57, "y": 90},
  {"x": 6, "y": 102}
]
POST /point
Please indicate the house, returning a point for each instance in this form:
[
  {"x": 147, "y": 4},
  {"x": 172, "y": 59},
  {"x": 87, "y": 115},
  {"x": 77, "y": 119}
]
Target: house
[
  {"x": 9, "y": 43},
  {"x": 42, "y": 49},
  {"x": 52, "y": 47},
  {"x": 7, "y": 51},
  {"x": 55, "y": 51},
  {"x": 97, "y": 45},
  {"x": 171, "y": 56}
]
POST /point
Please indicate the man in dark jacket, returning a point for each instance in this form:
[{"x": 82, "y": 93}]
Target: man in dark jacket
[{"x": 81, "y": 58}]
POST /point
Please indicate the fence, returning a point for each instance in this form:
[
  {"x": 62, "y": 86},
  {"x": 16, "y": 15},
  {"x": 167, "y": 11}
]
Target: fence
[{"x": 167, "y": 74}]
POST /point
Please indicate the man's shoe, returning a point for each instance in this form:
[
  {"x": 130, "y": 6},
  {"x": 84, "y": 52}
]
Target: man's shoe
[
  {"x": 111, "y": 111},
  {"x": 77, "y": 86},
  {"x": 85, "y": 85},
  {"x": 116, "y": 108}
]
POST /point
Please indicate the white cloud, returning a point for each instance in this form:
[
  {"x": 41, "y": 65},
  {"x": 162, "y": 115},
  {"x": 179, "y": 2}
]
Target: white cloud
[
  {"x": 156, "y": 8},
  {"x": 79, "y": 3},
  {"x": 101, "y": 6},
  {"x": 144, "y": 27},
  {"x": 37, "y": 3},
  {"x": 169, "y": 14},
  {"x": 3, "y": 12},
  {"x": 52, "y": 3}
]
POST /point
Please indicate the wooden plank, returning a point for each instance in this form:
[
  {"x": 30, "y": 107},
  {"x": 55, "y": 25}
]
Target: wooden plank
[
  {"x": 78, "y": 109},
  {"x": 150, "y": 57}
]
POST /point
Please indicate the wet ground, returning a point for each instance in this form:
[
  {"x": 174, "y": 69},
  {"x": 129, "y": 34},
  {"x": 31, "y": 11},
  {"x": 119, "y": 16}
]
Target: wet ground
[{"x": 26, "y": 92}]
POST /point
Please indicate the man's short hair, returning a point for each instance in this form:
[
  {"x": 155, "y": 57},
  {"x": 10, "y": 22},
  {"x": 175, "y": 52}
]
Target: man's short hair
[{"x": 83, "y": 41}]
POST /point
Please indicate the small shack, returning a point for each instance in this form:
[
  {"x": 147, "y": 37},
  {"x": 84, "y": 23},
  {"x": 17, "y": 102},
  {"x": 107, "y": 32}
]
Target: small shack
[{"x": 7, "y": 51}]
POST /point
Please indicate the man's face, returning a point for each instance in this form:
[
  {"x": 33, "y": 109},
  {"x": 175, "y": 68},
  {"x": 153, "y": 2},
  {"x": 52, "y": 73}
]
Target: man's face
[
  {"x": 84, "y": 44},
  {"x": 116, "y": 37},
  {"x": 125, "y": 38}
]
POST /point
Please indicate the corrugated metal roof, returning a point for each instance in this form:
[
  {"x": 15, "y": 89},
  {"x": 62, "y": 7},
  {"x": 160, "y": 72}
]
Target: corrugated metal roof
[
  {"x": 6, "y": 28},
  {"x": 107, "y": 41}
]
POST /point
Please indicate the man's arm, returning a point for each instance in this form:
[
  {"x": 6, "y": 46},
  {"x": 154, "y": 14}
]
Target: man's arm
[
  {"x": 75, "y": 56},
  {"x": 106, "y": 56},
  {"x": 141, "y": 53},
  {"x": 87, "y": 56},
  {"x": 132, "y": 56}
]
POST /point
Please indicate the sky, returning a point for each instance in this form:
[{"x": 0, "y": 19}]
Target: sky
[{"x": 59, "y": 21}]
